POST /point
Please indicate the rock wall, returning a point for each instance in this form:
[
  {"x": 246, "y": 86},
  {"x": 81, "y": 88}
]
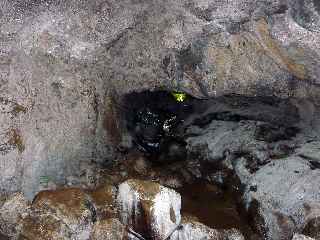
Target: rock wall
[{"x": 65, "y": 64}]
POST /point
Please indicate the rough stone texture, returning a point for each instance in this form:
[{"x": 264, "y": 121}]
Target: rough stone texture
[
  {"x": 65, "y": 64},
  {"x": 301, "y": 237},
  {"x": 285, "y": 197},
  {"x": 153, "y": 211},
  {"x": 11, "y": 214},
  {"x": 149, "y": 208},
  {"x": 44, "y": 226},
  {"x": 110, "y": 229},
  {"x": 104, "y": 200},
  {"x": 192, "y": 229},
  {"x": 71, "y": 207},
  {"x": 312, "y": 225},
  {"x": 272, "y": 147},
  {"x": 312, "y": 228},
  {"x": 257, "y": 128}
]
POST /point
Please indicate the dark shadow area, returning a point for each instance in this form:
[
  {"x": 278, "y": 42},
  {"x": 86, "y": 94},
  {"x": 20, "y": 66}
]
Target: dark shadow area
[
  {"x": 164, "y": 129},
  {"x": 215, "y": 206},
  {"x": 152, "y": 118},
  {"x": 3, "y": 237}
]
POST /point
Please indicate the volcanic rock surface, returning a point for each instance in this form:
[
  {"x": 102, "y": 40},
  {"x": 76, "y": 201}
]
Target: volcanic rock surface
[
  {"x": 250, "y": 68},
  {"x": 64, "y": 66}
]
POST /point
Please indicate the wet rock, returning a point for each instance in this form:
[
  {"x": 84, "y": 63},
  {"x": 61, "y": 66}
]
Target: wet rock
[
  {"x": 44, "y": 226},
  {"x": 109, "y": 229},
  {"x": 310, "y": 152},
  {"x": 283, "y": 188},
  {"x": 275, "y": 162},
  {"x": 196, "y": 230},
  {"x": 312, "y": 223},
  {"x": 312, "y": 228},
  {"x": 104, "y": 200},
  {"x": 172, "y": 182},
  {"x": 222, "y": 141},
  {"x": 149, "y": 208},
  {"x": 192, "y": 229},
  {"x": 239, "y": 131},
  {"x": 233, "y": 234},
  {"x": 71, "y": 206},
  {"x": 90, "y": 175},
  {"x": 141, "y": 165},
  {"x": 11, "y": 214},
  {"x": 72, "y": 181},
  {"x": 65, "y": 61},
  {"x": 242, "y": 171},
  {"x": 301, "y": 237},
  {"x": 153, "y": 211}
]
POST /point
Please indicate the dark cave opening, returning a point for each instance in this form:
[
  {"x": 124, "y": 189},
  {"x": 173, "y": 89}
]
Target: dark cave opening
[
  {"x": 159, "y": 123},
  {"x": 162, "y": 127},
  {"x": 154, "y": 119}
]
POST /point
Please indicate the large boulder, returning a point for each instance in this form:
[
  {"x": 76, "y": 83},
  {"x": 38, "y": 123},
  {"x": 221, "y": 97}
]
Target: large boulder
[
  {"x": 71, "y": 208},
  {"x": 153, "y": 211},
  {"x": 149, "y": 208},
  {"x": 282, "y": 193}
]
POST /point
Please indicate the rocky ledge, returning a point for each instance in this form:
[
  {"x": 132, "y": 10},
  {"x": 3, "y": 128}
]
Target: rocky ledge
[
  {"x": 66, "y": 65},
  {"x": 141, "y": 210}
]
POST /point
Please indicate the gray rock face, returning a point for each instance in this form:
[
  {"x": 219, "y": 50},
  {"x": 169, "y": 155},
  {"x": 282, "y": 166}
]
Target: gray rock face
[
  {"x": 306, "y": 14},
  {"x": 301, "y": 237},
  {"x": 274, "y": 155},
  {"x": 237, "y": 126},
  {"x": 64, "y": 65},
  {"x": 285, "y": 199}
]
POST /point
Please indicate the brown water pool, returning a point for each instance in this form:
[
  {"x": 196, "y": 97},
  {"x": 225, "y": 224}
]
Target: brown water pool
[{"x": 214, "y": 207}]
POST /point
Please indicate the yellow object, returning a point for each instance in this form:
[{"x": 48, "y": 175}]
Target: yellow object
[{"x": 179, "y": 96}]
